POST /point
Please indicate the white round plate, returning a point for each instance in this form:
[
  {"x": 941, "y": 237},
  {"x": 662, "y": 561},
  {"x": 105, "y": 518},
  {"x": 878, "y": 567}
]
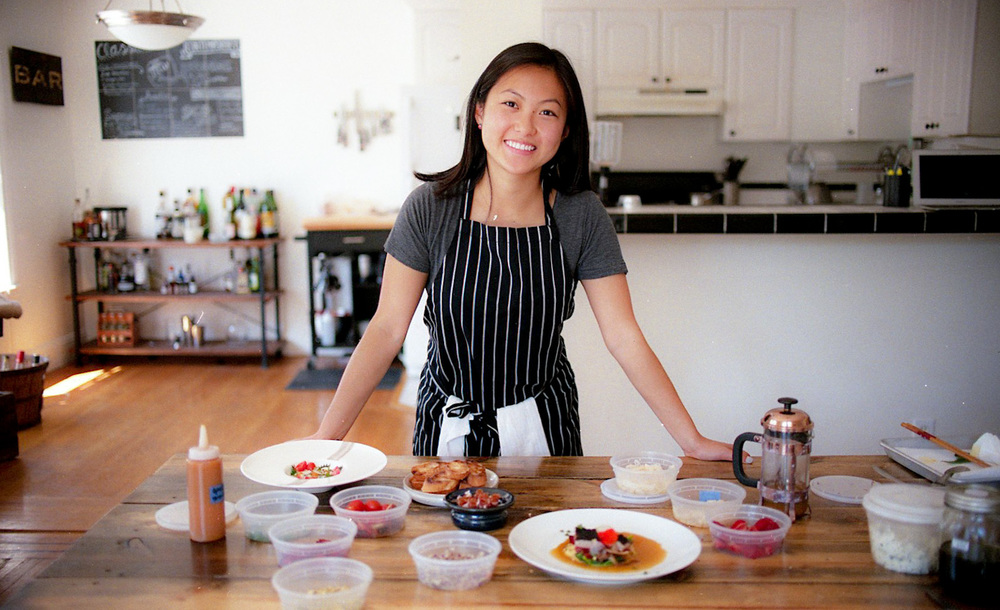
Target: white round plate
[
  {"x": 533, "y": 540},
  {"x": 177, "y": 518},
  {"x": 270, "y": 465},
  {"x": 611, "y": 491},
  {"x": 438, "y": 499},
  {"x": 841, "y": 488}
]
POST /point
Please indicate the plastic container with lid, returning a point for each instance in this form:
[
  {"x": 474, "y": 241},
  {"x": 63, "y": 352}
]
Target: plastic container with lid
[
  {"x": 969, "y": 561},
  {"x": 904, "y": 526}
]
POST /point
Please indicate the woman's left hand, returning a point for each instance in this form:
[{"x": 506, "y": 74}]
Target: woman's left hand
[{"x": 707, "y": 449}]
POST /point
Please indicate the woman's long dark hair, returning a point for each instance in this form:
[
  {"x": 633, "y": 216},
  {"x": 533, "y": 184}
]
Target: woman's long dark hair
[{"x": 569, "y": 170}]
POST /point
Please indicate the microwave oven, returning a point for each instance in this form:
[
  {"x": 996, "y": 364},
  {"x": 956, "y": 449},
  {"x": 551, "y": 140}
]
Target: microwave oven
[{"x": 956, "y": 178}]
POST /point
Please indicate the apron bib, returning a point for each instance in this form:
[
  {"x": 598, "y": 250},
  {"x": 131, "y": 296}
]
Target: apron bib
[{"x": 497, "y": 380}]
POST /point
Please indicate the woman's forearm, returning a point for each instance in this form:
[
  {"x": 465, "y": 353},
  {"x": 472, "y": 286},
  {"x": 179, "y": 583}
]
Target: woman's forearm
[{"x": 369, "y": 362}]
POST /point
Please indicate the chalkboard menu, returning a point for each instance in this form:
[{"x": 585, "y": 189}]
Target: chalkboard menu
[{"x": 192, "y": 90}]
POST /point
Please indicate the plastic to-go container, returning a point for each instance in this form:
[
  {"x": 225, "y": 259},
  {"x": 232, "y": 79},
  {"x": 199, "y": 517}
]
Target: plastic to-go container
[
  {"x": 262, "y": 510},
  {"x": 645, "y": 473},
  {"x": 373, "y": 523},
  {"x": 312, "y": 536},
  {"x": 696, "y": 501},
  {"x": 324, "y": 582},
  {"x": 454, "y": 560},
  {"x": 747, "y": 541},
  {"x": 904, "y": 526}
]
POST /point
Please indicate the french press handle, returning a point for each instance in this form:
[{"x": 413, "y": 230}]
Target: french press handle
[{"x": 741, "y": 476}]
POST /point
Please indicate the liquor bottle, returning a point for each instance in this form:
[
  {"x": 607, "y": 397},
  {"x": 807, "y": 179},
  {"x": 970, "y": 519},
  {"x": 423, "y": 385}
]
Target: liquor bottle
[
  {"x": 242, "y": 278},
  {"x": 229, "y": 206},
  {"x": 205, "y": 492},
  {"x": 253, "y": 274},
  {"x": 79, "y": 226},
  {"x": 164, "y": 217},
  {"x": 190, "y": 206},
  {"x": 246, "y": 217},
  {"x": 269, "y": 216},
  {"x": 256, "y": 207},
  {"x": 177, "y": 224},
  {"x": 203, "y": 213}
]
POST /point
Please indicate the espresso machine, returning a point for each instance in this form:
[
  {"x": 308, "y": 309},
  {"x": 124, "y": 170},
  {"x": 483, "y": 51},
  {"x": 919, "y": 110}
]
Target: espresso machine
[{"x": 786, "y": 444}]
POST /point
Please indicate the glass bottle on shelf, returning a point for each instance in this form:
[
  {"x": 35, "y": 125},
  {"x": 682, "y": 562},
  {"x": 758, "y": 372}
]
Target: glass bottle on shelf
[
  {"x": 164, "y": 217},
  {"x": 229, "y": 207},
  {"x": 253, "y": 274},
  {"x": 177, "y": 224},
  {"x": 269, "y": 215},
  {"x": 246, "y": 217},
  {"x": 79, "y": 227},
  {"x": 203, "y": 214}
]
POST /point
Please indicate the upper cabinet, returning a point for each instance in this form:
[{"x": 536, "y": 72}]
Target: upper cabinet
[
  {"x": 758, "y": 74},
  {"x": 660, "y": 49},
  {"x": 438, "y": 46},
  {"x": 942, "y": 78},
  {"x": 881, "y": 34},
  {"x": 572, "y": 32}
]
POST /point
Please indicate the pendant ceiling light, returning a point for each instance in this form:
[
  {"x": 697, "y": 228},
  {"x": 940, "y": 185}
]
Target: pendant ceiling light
[{"x": 149, "y": 30}]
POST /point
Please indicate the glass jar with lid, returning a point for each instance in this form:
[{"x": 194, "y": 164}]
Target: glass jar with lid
[{"x": 969, "y": 561}]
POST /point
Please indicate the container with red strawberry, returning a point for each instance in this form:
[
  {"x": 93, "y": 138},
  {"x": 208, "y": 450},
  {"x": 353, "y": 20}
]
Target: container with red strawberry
[{"x": 750, "y": 531}]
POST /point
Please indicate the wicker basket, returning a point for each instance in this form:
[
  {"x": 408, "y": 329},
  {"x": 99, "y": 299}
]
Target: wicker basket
[{"x": 26, "y": 382}]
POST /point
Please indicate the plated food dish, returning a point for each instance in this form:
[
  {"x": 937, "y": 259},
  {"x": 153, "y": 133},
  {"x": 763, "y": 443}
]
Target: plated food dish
[
  {"x": 274, "y": 465},
  {"x": 429, "y": 482},
  {"x": 540, "y": 539}
]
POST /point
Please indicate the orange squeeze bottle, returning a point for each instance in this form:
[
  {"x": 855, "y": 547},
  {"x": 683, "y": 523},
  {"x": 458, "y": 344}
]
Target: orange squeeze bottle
[{"x": 206, "y": 497}]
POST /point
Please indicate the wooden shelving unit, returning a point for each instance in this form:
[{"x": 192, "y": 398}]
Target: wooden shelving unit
[{"x": 268, "y": 295}]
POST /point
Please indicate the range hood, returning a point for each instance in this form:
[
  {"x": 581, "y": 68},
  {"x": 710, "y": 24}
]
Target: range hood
[{"x": 658, "y": 102}]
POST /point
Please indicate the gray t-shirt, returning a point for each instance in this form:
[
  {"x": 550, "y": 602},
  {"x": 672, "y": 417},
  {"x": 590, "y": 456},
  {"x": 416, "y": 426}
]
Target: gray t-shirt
[{"x": 426, "y": 225}]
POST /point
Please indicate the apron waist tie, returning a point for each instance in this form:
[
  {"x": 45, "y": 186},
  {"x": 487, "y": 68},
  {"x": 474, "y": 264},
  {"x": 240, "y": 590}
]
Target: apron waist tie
[{"x": 518, "y": 426}]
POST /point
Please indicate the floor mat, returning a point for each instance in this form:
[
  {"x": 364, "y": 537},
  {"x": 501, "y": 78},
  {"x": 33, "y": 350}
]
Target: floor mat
[{"x": 328, "y": 379}]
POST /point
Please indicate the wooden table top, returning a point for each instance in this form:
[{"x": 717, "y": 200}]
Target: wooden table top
[{"x": 127, "y": 559}]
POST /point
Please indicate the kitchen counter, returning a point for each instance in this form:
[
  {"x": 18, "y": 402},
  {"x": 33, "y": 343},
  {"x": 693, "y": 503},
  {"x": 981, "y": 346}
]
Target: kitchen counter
[
  {"x": 350, "y": 222},
  {"x": 792, "y": 219}
]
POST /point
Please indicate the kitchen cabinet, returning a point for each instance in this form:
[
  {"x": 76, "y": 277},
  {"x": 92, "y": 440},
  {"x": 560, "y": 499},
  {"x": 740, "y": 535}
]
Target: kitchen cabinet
[
  {"x": 439, "y": 46},
  {"x": 269, "y": 293},
  {"x": 758, "y": 74},
  {"x": 881, "y": 34},
  {"x": 660, "y": 49},
  {"x": 572, "y": 32},
  {"x": 942, "y": 79}
]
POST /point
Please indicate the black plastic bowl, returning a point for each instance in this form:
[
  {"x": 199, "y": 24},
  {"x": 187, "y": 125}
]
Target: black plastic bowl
[{"x": 479, "y": 519}]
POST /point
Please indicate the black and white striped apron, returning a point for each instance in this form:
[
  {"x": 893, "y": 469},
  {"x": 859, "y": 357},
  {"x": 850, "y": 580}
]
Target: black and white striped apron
[{"x": 495, "y": 313}]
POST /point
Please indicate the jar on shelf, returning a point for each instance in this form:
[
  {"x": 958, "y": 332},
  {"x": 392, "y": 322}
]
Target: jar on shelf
[{"x": 969, "y": 561}]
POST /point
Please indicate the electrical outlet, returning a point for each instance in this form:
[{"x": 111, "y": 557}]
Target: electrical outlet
[{"x": 924, "y": 423}]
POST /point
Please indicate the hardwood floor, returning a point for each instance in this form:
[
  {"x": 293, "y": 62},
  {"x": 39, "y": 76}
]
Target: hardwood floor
[{"x": 98, "y": 442}]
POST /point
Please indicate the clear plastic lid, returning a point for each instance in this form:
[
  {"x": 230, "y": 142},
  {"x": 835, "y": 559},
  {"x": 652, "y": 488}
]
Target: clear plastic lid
[{"x": 906, "y": 502}]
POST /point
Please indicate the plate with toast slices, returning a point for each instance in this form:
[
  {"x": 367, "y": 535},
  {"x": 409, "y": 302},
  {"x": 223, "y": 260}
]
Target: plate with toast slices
[{"x": 429, "y": 482}]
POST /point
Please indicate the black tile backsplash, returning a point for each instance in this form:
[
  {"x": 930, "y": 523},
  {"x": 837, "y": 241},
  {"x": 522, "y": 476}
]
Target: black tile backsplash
[
  {"x": 800, "y": 223},
  {"x": 742, "y": 222}
]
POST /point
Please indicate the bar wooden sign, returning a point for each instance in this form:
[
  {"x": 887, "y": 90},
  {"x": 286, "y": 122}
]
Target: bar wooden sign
[{"x": 36, "y": 77}]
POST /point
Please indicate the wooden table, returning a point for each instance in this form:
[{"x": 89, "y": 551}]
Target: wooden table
[{"x": 127, "y": 560}]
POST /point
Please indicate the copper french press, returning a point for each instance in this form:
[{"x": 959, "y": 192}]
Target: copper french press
[{"x": 785, "y": 444}]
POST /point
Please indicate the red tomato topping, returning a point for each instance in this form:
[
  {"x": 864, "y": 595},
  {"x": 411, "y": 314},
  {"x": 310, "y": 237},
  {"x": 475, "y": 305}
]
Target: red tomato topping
[
  {"x": 373, "y": 504},
  {"x": 765, "y": 524},
  {"x": 355, "y": 505},
  {"x": 303, "y": 465},
  {"x": 608, "y": 537},
  {"x": 739, "y": 524}
]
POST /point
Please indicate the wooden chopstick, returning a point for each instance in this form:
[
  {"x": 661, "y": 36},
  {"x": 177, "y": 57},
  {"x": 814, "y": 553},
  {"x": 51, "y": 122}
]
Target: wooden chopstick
[{"x": 937, "y": 441}]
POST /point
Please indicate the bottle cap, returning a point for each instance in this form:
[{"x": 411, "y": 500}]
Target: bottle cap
[{"x": 203, "y": 451}]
